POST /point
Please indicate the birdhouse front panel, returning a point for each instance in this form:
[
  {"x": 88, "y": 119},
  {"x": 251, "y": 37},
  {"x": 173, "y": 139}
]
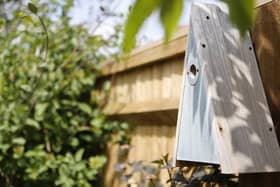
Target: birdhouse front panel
[{"x": 196, "y": 138}]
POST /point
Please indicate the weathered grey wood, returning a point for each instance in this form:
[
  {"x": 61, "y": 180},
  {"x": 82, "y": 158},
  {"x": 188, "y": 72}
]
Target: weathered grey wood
[
  {"x": 224, "y": 117},
  {"x": 196, "y": 133}
]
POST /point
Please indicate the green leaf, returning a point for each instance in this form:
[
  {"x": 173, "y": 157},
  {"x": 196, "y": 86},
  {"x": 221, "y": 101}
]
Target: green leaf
[
  {"x": 74, "y": 142},
  {"x": 40, "y": 109},
  {"x": 26, "y": 87},
  {"x": 18, "y": 151},
  {"x": 79, "y": 154},
  {"x": 24, "y": 16},
  {"x": 124, "y": 126},
  {"x": 2, "y": 22},
  {"x": 19, "y": 141},
  {"x": 85, "y": 108},
  {"x": 21, "y": 14},
  {"x": 106, "y": 86},
  {"x": 242, "y": 14},
  {"x": 32, "y": 8},
  {"x": 170, "y": 13},
  {"x": 32, "y": 123},
  {"x": 28, "y": 19},
  {"x": 97, "y": 161},
  {"x": 141, "y": 10}
]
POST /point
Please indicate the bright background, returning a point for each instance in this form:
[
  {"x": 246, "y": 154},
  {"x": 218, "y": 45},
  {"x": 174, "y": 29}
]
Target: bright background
[{"x": 85, "y": 11}]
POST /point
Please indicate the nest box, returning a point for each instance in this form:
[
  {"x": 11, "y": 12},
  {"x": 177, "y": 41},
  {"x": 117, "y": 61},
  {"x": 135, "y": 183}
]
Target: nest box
[{"x": 223, "y": 117}]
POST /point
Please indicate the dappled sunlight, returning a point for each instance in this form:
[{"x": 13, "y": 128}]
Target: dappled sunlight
[{"x": 244, "y": 133}]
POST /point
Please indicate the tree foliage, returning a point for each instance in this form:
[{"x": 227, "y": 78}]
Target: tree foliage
[
  {"x": 52, "y": 128},
  {"x": 241, "y": 14}
]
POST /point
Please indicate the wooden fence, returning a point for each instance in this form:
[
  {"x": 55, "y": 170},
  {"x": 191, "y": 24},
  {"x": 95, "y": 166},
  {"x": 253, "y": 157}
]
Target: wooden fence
[{"x": 146, "y": 89}]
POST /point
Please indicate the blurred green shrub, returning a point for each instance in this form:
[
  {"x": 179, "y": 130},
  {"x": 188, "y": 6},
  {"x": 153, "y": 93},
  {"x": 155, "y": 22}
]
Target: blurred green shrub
[{"x": 52, "y": 129}]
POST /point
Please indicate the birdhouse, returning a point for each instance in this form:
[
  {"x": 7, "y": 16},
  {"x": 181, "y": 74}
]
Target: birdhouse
[{"x": 223, "y": 117}]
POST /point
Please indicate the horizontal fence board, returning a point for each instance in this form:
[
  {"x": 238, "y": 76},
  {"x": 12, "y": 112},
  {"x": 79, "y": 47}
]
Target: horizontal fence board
[
  {"x": 148, "y": 55},
  {"x": 150, "y": 88},
  {"x": 144, "y": 106}
]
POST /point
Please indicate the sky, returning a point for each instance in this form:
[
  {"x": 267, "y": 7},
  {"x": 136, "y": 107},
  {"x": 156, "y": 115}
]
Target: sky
[{"x": 85, "y": 11}]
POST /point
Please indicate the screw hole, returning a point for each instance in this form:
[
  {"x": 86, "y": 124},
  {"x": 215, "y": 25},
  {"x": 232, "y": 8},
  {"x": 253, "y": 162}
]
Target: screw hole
[
  {"x": 270, "y": 129},
  {"x": 193, "y": 71},
  {"x": 250, "y": 48},
  {"x": 203, "y": 45},
  {"x": 207, "y": 17}
]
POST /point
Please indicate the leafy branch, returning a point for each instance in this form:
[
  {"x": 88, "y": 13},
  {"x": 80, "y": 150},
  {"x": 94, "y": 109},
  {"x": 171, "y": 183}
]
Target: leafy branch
[
  {"x": 242, "y": 15},
  {"x": 188, "y": 176},
  {"x": 33, "y": 9}
]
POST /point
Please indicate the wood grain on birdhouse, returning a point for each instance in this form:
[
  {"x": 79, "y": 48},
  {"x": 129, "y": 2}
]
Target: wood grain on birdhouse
[{"x": 224, "y": 117}]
